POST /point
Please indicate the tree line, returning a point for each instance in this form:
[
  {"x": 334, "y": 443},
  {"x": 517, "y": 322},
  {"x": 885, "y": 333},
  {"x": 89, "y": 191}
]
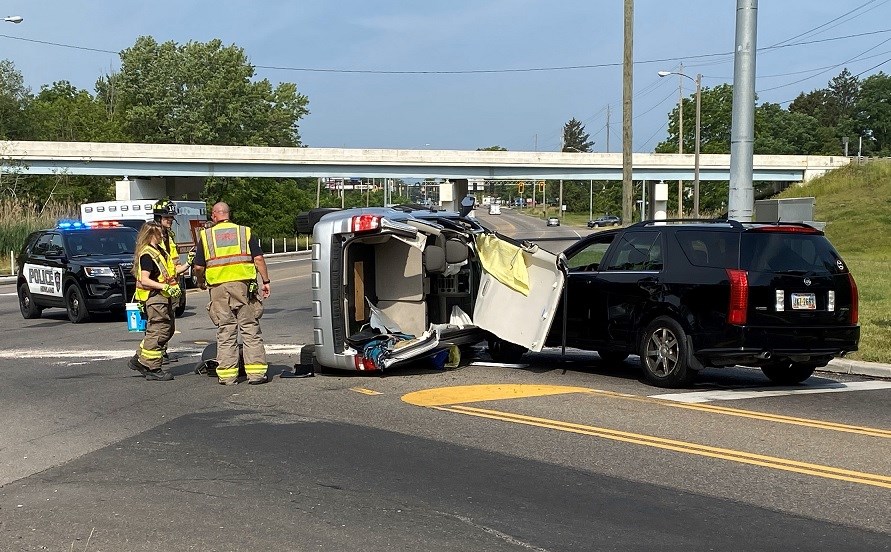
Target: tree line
[{"x": 849, "y": 110}]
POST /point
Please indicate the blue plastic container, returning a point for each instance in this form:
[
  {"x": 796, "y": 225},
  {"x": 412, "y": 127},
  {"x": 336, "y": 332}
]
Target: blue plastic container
[{"x": 135, "y": 320}]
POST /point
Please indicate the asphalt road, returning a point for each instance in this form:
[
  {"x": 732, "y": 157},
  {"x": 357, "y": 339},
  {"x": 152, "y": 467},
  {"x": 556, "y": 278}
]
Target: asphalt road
[{"x": 555, "y": 454}]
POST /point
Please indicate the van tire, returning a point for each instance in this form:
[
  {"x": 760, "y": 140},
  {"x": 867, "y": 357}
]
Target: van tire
[
  {"x": 612, "y": 357},
  {"x": 505, "y": 351},
  {"x": 664, "y": 356}
]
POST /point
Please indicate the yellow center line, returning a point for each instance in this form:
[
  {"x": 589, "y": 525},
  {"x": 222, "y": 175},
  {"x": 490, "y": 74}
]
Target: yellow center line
[
  {"x": 778, "y": 418},
  {"x": 680, "y": 446},
  {"x": 365, "y": 391}
]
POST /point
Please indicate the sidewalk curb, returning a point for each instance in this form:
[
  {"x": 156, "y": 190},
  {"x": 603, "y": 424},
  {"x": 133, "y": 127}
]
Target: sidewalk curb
[{"x": 857, "y": 368}]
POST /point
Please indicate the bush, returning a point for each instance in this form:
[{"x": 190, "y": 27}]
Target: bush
[{"x": 18, "y": 219}]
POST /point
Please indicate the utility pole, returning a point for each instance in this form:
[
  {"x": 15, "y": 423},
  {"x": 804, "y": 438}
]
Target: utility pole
[
  {"x": 742, "y": 134},
  {"x": 627, "y": 79},
  {"x": 607, "y": 128},
  {"x": 681, "y": 136}
]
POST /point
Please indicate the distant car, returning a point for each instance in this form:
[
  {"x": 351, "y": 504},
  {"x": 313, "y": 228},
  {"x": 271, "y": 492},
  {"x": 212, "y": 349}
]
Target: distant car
[
  {"x": 553, "y": 221},
  {"x": 606, "y": 220}
]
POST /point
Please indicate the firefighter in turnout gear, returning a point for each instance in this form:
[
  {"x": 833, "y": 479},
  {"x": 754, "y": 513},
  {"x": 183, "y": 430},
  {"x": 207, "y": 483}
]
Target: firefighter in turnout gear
[
  {"x": 157, "y": 291},
  {"x": 164, "y": 212},
  {"x": 228, "y": 261}
]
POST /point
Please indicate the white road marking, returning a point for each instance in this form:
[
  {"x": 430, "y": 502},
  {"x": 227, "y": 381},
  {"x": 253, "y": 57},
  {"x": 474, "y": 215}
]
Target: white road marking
[
  {"x": 733, "y": 395},
  {"x": 85, "y": 356},
  {"x": 7, "y": 294}
]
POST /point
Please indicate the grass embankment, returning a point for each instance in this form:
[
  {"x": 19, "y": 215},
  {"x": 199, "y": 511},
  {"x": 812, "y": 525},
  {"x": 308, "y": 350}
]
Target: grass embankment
[
  {"x": 855, "y": 202},
  {"x": 17, "y": 220}
]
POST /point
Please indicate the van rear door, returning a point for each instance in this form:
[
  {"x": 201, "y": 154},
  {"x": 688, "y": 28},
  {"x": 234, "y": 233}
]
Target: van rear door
[{"x": 518, "y": 313}]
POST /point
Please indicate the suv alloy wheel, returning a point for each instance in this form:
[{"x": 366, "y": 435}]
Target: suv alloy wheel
[{"x": 664, "y": 354}]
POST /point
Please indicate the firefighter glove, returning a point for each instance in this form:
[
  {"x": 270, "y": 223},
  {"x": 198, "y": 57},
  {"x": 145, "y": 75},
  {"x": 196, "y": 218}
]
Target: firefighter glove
[{"x": 172, "y": 291}]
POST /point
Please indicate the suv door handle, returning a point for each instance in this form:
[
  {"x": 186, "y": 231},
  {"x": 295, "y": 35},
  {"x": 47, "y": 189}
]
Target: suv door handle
[{"x": 649, "y": 284}]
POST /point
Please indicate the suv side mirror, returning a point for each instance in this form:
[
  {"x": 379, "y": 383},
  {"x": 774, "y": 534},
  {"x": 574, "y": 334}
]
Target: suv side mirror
[{"x": 467, "y": 205}]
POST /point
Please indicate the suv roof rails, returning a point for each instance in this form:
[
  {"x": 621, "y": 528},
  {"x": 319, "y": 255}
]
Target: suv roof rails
[{"x": 733, "y": 223}]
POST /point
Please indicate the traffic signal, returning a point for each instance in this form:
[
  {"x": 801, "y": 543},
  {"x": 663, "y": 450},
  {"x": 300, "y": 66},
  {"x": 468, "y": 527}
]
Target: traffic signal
[
  {"x": 521, "y": 185},
  {"x": 541, "y": 186}
]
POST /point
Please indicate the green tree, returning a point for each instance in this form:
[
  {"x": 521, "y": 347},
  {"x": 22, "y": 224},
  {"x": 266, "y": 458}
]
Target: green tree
[
  {"x": 715, "y": 118},
  {"x": 14, "y": 98},
  {"x": 201, "y": 93},
  {"x": 873, "y": 115},
  {"x": 61, "y": 112},
  {"x": 780, "y": 132},
  {"x": 575, "y": 139},
  {"x": 492, "y": 148}
]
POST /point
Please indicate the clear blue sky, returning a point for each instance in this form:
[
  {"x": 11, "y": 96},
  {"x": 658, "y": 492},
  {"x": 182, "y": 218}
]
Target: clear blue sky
[{"x": 519, "y": 110}]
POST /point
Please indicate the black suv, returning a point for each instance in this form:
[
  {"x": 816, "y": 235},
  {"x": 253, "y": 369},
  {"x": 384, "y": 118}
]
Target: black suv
[
  {"x": 688, "y": 294},
  {"x": 83, "y": 268},
  {"x": 606, "y": 220}
]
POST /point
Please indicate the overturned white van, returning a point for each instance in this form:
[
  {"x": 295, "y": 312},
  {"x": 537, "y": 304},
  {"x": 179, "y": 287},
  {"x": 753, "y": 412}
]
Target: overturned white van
[{"x": 396, "y": 284}]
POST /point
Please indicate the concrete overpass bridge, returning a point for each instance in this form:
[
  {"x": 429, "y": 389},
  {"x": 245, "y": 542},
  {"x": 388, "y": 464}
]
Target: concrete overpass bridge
[{"x": 182, "y": 168}]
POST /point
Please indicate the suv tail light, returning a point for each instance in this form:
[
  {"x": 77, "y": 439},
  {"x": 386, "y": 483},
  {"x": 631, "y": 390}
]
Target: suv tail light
[
  {"x": 855, "y": 300},
  {"x": 365, "y": 223},
  {"x": 738, "y": 305},
  {"x": 787, "y": 229}
]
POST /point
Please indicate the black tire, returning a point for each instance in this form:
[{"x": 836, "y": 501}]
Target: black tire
[
  {"x": 504, "y": 351},
  {"x": 788, "y": 373},
  {"x": 664, "y": 355},
  {"x": 180, "y": 306},
  {"x": 75, "y": 305},
  {"x": 612, "y": 357},
  {"x": 29, "y": 308}
]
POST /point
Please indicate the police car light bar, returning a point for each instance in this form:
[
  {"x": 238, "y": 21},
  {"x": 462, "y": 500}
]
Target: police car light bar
[{"x": 78, "y": 225}]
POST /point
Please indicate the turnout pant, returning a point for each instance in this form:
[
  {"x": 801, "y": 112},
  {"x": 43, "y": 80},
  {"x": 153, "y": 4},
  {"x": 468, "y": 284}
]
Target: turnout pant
[
  {"x": 234, "y": 310},
  {"x": 159, "y": 327}
]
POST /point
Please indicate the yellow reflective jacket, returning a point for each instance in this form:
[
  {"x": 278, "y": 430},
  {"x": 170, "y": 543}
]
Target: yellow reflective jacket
[
  {"x": 167, "y": 268},
  {"x": 227, "y": 255}
]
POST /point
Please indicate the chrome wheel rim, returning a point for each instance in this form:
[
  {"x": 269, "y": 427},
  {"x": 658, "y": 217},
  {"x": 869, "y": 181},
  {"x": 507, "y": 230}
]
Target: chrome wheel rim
[
  {"x": 662, "y": 352},
  {"x": 74, "y": 304}
]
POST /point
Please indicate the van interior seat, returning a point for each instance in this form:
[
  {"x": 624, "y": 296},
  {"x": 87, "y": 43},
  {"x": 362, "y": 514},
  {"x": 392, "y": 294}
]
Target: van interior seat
[{"x": 456, "y": 251}]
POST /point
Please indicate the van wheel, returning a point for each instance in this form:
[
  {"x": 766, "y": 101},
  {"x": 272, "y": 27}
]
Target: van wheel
[
  {"x": 504, "y": 351},
  {"x": 27, "y": 305},
  {"x": 788, "y": 373},
  {"x": 663, "y": 354},
  {"x": 612, "y": 357},
  {"x": 75, "y": 304}
]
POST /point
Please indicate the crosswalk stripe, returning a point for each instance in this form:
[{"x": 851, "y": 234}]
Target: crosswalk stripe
[{"x": 749, "y": 393}]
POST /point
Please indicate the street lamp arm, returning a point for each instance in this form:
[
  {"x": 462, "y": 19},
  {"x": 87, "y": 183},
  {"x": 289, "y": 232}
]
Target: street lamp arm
[{"x": 14, "y": 19}]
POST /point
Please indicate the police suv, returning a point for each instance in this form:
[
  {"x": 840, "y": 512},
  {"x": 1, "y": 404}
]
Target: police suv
[{"x": 83, "y": 268}]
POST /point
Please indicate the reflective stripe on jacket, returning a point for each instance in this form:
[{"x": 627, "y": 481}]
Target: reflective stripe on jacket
[
  {"x": 227, "y": 255},
  {"x": 166, "y": 267}
]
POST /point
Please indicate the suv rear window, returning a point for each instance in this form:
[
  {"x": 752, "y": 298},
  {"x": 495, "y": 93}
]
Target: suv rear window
[
  {"x": 788, "y": 252},
  {"x": 711, "y": 249}
]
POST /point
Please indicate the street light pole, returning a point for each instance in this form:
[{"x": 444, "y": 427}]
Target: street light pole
[
  {"x": 698, "y": 82},
  {"x": 696, "y": 151}
]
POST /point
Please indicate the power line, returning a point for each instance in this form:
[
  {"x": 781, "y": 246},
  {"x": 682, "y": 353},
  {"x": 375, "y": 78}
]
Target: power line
[{"x": 480, "y": 71}]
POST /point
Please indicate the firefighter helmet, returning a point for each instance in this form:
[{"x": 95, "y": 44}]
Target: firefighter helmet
[{"x": 164, "y": 208}]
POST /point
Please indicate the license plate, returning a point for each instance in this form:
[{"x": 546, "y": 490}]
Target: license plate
[{"x": 804, "y": 301}]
